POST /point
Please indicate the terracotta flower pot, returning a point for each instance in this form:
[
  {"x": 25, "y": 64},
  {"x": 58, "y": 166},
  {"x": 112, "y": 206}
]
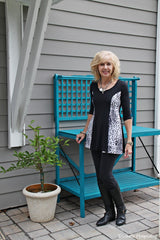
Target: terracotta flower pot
[{"x": 41, "y": 205}]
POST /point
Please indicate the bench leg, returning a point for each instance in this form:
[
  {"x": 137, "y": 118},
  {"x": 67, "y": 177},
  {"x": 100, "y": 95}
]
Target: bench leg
[
  {"x": 82, "y": 207},
  {"x": 81, "y": 165},
  {"x": 58, "y": 179}
]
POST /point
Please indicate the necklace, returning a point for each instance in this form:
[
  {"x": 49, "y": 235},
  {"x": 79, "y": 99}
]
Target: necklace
[{"x": 103, "y": 89}]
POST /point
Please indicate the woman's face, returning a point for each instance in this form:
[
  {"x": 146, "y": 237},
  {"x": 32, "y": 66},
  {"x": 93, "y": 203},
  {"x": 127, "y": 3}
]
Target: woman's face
[{"x": 105, "y": 68}]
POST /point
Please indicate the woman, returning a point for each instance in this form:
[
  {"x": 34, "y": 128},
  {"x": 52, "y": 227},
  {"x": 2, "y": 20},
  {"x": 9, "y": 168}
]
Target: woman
[{"x": 104, "y": 131}]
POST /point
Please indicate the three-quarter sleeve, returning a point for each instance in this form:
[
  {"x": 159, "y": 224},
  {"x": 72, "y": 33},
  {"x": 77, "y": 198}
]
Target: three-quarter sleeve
[{"x": 125, "y": 102}]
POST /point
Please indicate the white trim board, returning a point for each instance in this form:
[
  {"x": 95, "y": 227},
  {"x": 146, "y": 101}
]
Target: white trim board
[{"x": 157, "y": 94}]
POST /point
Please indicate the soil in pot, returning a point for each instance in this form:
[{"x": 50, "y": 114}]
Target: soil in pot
[{"x": 37, "y": 188}]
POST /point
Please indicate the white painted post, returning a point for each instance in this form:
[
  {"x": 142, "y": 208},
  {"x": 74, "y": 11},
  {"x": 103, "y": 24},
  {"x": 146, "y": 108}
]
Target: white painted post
[
  {"x": 14, "y": 38},
  {"x": 24, "y": 61},
  {"x": 40, "y": 29}
]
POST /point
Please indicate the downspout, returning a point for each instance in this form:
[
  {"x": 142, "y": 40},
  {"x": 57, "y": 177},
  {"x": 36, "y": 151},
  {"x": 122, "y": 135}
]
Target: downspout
[{"x": 157, "y": 94}]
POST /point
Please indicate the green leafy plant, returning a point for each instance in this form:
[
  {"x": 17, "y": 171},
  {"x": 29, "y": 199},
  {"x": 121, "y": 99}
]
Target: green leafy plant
[{"x": 44, "y": 152}]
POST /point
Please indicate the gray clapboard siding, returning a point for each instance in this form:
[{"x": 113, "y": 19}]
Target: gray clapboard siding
[
  {"x": 12, "y": 200},
  {"x": 145, "y": 161},
  {"x": 147, "y": 140},
  {"x": 137, "y": 67},
  {"x": 151, "y": 125},
  {"x": 30, "y": 178},
  {"x": 111, "y": 11},
  {"x": 3, "y": 107},
  {"x": 3, "y": 91},
  {"x": 146, "y": 80},
  {"x": 41, "y": 107},
  {"x": 145, "y": 104},
  {"x": 2, "y": 13},
  {"x": 3, "y": 75},
  {"x": 21, "y": 172},
  {"x": 3, "y": 139},
  {"x": 2, "y": 30},
  {"x": 44, "y": 77},
  {"x": 13, "y": 188},
  {"x": 102, "y": 24},
  {"x": 145, "y": 5},
  {"x": 42, "y": 91},
  {"x": 77, "y": 63},
  {"x": 3, "y": 84},
  {"x": 76, "y": 49},
  {"x": 142, "y": 153},
  {"x": 44, "y": 120},
  {"x": 4, "y": 120},
  {"x": 2, "y": 59},
  {"x": 103, "y": 39},
  {"x": 2, "y": 43},
  {"x": 6, "y": 156},
  {"x": 46, "y": 107},
  {"x": 145, "y": 116},
  {"x": 146, "y": 92}
]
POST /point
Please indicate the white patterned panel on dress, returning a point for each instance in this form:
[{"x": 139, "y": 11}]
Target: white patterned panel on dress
[
  {"x": 115, "y": 140},
  {"x": 89, "y": 133}
]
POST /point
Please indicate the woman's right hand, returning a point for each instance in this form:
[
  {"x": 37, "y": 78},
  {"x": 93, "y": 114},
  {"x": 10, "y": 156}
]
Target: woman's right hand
[
  {"x": 80, "y": 137},
  {"x": 82, "y": 134}
]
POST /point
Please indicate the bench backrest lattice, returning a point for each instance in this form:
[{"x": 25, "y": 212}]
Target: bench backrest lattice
[{"x": 72, "y": 97}]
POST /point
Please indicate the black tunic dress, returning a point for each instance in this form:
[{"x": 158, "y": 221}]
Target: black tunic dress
[{"x": 105, "y": 132}]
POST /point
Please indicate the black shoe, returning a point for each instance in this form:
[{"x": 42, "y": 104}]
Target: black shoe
[
  {"x": 108, "y": 217},
  {"x": 121, "y": 218},
  {"x": 121, "y": 209}
]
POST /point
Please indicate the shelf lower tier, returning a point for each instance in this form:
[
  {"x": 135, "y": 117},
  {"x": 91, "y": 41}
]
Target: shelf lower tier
[{"x": 127, "y": 181}]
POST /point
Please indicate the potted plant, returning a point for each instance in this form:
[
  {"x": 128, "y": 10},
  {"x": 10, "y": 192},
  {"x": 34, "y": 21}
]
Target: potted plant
[{"x": 41, "y": 198}]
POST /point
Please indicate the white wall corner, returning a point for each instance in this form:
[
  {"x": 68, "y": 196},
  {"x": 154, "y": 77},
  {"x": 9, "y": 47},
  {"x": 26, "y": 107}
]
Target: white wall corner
[{"x": 157, "y": 93}]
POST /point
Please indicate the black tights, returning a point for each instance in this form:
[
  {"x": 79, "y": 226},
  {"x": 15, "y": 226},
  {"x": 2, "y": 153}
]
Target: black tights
[
  {"x": 108, "y": 186},
  {"x": 104, "y": 163}
]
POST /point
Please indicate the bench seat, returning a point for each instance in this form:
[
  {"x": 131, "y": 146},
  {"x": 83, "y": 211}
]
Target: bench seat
[{"x": 137, "y": 131}]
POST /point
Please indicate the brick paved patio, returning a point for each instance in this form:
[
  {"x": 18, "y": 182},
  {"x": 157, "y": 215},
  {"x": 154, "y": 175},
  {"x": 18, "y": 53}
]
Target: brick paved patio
[{"x": 142, "y": 220}]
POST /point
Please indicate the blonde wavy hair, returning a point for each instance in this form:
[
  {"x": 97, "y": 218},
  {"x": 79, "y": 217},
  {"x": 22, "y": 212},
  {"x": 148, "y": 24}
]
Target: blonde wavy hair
[{"x": 102, "y": 57}]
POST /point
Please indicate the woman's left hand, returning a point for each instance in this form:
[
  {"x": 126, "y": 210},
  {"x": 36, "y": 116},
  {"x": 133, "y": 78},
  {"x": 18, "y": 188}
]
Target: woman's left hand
[{"x": 128, "y": 150}]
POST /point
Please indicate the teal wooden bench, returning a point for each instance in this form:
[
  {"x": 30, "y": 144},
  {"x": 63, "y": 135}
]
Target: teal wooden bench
[{"x": 72, "y": 103}]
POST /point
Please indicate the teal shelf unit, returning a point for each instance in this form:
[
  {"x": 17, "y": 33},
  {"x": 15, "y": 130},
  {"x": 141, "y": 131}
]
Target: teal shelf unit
[{"x": 72, "y": 103}]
